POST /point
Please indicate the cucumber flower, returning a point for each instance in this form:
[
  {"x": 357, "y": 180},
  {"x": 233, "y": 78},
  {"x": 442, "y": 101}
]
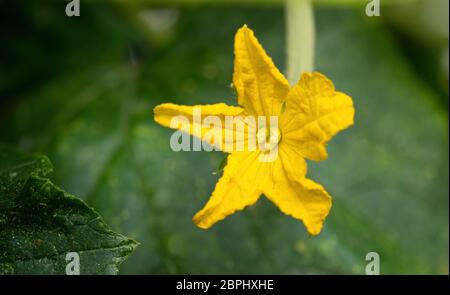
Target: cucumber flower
[{"x": 309, "y": 114}]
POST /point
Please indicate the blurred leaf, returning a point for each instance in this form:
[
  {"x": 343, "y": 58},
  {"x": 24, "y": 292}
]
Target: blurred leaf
[
  {"x": 40, "y": 224},
  {"x": 334, "y": 3},
  {"x": 425, "y": 20},
  {"x": 388, "y": 175},
  {"x": 41, "y": 39}
]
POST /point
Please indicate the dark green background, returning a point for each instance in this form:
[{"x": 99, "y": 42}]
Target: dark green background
[{"x": 81, "y": 90}]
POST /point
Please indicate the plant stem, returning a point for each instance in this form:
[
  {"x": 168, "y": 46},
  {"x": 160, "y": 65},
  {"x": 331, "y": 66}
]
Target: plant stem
[{"x": 300, "y": 38}]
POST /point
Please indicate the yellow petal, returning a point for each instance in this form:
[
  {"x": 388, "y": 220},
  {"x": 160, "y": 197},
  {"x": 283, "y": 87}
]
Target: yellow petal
[
  {"x": 167, "y": 113},
  {"x": 240, "y": 186},
  {"x": 295, "y": 195},
  {"x": 261, "y": 88},
  {"x": 315, "y": 112},
  {"x": 293, "y": 162}
]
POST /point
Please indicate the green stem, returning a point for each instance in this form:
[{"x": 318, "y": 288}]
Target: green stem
[{"x": 300, "y": 38}]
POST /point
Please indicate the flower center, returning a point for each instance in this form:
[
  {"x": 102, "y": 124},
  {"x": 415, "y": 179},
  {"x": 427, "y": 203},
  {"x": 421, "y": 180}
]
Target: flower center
[{"x": 268, "y": 138}]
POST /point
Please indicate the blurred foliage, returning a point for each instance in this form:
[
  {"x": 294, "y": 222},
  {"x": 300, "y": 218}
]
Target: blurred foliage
[
  {"x": 334, "y": 3},
  {"x": 423, "y": 28},
  {"x": 90, "y": 110}
]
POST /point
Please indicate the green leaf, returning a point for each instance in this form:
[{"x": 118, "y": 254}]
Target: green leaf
[
  {"x": 40, "y": 224},
  {"x": 388, "y": 174}
]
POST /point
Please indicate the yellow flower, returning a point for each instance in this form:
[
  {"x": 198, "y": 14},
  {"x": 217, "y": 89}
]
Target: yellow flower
[{"x": 310, "y": 114}]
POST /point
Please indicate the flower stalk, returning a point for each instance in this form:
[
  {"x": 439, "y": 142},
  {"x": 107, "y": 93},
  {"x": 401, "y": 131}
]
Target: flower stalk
[{"x": 300, "y": 38}]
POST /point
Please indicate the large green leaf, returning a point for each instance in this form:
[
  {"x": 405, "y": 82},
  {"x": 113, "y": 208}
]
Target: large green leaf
[
  {"x": 40, "y": 224},
  {"x": 388, "y": 175}
]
